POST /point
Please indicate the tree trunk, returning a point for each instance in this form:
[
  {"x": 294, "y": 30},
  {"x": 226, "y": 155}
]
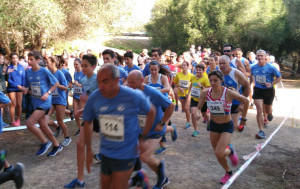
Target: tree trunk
[
  {"x": 295, "y": 59},
  {"x": 298, "y": 70}
]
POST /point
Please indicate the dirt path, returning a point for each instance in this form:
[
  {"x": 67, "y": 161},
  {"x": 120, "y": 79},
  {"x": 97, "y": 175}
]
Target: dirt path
[{"x": 190, "y": 161}]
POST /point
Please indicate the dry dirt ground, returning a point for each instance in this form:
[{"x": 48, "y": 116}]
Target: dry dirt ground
[{"x": 190, "y": 161}]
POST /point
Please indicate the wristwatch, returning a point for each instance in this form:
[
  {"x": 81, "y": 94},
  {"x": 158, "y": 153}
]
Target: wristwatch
[
  {"x": 162, "y": 123},
  {"x": 49, "y": 92},
  {"x": 244, "y": 119}
]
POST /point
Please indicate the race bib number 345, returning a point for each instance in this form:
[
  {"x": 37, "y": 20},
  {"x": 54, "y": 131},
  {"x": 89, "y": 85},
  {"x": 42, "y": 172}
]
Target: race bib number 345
[{"x": 112, "y": 127}]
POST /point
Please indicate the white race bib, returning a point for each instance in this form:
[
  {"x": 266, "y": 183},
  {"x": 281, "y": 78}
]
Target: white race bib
[
  {"x": 216, "y": 107},
  {"x": 112, "y": 127},
  {"x": 77, "y": 90},
  {"x": 195, "y": 92},
  {"x": 261, "y": 79},
  {"x": 142, "y": 120},
  {"x": 55, "y": 92},
  {"x": 184, "y": 84},
  {"x": 36, "y": 90}
]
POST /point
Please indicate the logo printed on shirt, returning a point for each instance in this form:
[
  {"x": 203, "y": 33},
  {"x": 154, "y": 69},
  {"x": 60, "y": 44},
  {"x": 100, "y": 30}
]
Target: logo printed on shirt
[
  {"x": 30, "y": 78},
  {"x": 103, "y": 108},
  {"x": 21, "y": 72},
  {"x": 121, "y": 108},
  {"x": 38, "y": 78}
]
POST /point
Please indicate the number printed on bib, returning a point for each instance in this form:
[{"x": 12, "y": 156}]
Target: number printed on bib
[
  {"x": 55, "y": 92},
  {"x": 77, "y": 90},
  {"x": 184, "y": 84},
  {"x": 142, "y": 120},
  {"x": 216, "y": 107},
  {"x": 112, "y": 127},
  {"x": 35, "y": 89},
  {"x": 261, "y": 79},
  {"x": 195, "y": 92}
]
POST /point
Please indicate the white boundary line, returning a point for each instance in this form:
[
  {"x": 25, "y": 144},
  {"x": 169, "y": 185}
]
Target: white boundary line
[
  {"x": 247, "y": 163},
  {"x": 25, "y": 127}
]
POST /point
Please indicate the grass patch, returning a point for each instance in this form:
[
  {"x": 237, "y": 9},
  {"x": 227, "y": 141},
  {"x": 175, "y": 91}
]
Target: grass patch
[{"x": 135, "y": 44}]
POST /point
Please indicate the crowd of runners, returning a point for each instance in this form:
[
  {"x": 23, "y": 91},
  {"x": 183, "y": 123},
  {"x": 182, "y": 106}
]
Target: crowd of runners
[{"x": 132, "y": 105}]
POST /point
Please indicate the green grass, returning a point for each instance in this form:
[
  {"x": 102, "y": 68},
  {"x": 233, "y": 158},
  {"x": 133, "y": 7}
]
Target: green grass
[{"x": 136, "y": 45}]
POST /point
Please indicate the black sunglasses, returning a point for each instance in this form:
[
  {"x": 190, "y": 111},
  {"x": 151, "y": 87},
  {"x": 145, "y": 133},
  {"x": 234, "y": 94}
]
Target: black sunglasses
[{"x": 226, "y": 50}]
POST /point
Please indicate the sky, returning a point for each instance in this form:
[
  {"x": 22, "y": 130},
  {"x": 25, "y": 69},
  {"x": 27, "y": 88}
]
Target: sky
[{"x": 142, "y": 10}]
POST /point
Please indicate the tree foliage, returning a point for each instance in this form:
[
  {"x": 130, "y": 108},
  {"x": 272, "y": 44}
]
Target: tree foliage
[
  {"x": 248, "y": 24},
  {"x": 32, "y": 23}
]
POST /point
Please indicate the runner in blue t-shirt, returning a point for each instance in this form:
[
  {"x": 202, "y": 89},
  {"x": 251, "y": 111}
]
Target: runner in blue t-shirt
[
  {"x": 136, "y": 81},
  {"x": 15, "y": 76},
  {"x": 58, "y": 101},
  {"x": 109, "y": 57},
  {"x": 42, "y": 83},
  {"x": 128, "y": 56},
  {"x": 77, "y": 91},
  {"x": 89, "y": 85},
  {"x": 263, "y": 75},
  {"x": 117, "y": 108}
]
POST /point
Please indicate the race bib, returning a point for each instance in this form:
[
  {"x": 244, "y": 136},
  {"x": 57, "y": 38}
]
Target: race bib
[
  {"x": 142, "y": 120},
  {"x": 112, "y": 127},
  {"x": 261, "y": 79},
  {"x": 184, "y": 84},
  {"x": 55, "y": 92},
  {"x": 77, "y": 90},
  {"x": 36, "y": 89},
  {"x": 195, "y": 92},
  {"x": 216, "y": 107}
]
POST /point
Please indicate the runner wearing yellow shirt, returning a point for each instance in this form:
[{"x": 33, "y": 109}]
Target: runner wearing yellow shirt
[
  {"x": 198, "y": 83},
  {"x": 182, "y": 83}
]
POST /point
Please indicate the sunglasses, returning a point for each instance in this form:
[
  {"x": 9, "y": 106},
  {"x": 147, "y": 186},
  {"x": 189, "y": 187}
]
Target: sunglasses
[{"x": 226, "y": 51}]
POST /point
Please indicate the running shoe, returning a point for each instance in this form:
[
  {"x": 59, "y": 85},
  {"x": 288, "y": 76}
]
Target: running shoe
[
  {"x": 4, "y": 124},
  {"x": 251, "y": 106},
  {"x": 8, "y": 169},
  {"x": 75, "y": 184},
  {"x": 266, "y": 122},
  {"x": 44, "y": 148},
  {"x": 204, "y": 120},
  {"x": 72, "y": 115},
  {"x": 174, "y": 133},
  {"x": 18, "y": 173},
  {"x": 260, "y": 135},
  {"x": 66, "y": 141},
  {"x": 233, "y": 157},
  {"x": 270, "y": 117},
  {"x": 187, "y": 125},
  {"x": 97, "y": 157},
  {"x": 2, "y": 158},
  {"x": 195, "y": 133},
  {"x": 17, "y": 123},
  {"x": 140, "y": 180},
  {"x": 77, "y": 133},
  {"x": 162, "y": 179},
  {"x": 161, "y": 150},
  {"x": 55, "y": 150},
  {"x": 57, "y": 132},
  {"x": 241, "y": 127},
  {"x": 176, "y": 108},
  {"x": 225, "y": 178}
]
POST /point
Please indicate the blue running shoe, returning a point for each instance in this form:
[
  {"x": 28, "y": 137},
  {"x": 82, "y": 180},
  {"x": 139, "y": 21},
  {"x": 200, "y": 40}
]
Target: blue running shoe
[
  {"x": 97, "y": 157},
  {"x": 174, "y": 133},
  {"x": 162, "y": 179},
  {"x": 187, "y": 125},
  {"x": 176, "y": 108},
  {"x": 195, "y": 133},
  {"x": 4, "y": 124},
  {"x": 161, "y": 150},
  {"x": 260, "y": 135},
  {"x": 75, "y": 184},
  {"x": 44, "y": 148},
  {"x": 55, "y": 150}
]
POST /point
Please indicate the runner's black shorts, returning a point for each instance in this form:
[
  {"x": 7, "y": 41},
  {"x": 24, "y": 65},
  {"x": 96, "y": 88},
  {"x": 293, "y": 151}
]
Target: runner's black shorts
[
  {"x": 194, "y": 103},
  {"x": 267, "y": 95}
]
